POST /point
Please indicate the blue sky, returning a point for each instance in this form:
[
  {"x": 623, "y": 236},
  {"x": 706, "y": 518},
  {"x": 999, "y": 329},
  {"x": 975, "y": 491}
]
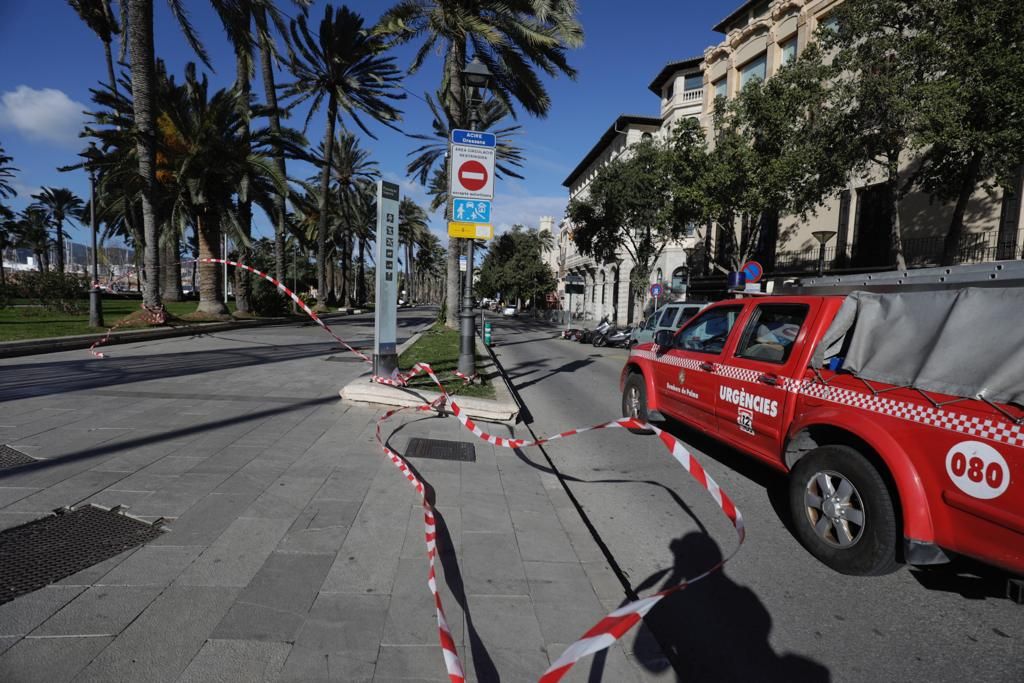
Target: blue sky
[{"x": 50, "y": 60}]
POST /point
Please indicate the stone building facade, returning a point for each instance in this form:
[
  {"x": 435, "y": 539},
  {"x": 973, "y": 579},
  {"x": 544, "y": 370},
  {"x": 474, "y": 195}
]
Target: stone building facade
[{"x": 759, "y": 38}]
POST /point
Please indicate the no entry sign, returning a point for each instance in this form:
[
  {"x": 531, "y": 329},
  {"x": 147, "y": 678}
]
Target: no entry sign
[{"x": 472, "y": 175}]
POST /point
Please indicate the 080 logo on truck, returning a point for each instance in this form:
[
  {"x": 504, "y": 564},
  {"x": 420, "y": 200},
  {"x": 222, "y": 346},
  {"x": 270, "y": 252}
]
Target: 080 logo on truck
[{"x": 977, "y": 469}]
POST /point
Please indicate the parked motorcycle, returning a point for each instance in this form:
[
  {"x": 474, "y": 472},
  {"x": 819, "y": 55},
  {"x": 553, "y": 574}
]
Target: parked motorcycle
[
  {"x": 620, "y": 337},
  {"x": 588, "y": 336}
]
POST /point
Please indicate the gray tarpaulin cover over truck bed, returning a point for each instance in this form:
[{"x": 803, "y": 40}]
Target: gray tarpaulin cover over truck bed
[{"x": 965, "y": 342}]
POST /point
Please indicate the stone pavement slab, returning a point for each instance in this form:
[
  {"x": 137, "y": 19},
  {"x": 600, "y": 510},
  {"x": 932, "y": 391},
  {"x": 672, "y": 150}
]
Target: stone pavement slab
[{"x": 295, "y": 549}]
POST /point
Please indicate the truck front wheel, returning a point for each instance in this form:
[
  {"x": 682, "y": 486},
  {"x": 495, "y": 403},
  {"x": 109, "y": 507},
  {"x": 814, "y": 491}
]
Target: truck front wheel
[
  {"x": 842, "y": 511},
  {"x": 634, "y": 400}
]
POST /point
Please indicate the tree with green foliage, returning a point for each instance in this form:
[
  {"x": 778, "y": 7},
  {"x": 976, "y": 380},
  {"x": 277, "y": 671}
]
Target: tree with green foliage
[
  {"x": 641, "y": 201},
  {"x": 884, "y": 53},
  {"x": 774, "y": 152},
  {"x": 344, "y": 63},
  {"x": 513, "y": 39},
  {"x": 514, "y": 266},
  {"x": 971, "y": 116},
  {"x": 59, "y": 204}
]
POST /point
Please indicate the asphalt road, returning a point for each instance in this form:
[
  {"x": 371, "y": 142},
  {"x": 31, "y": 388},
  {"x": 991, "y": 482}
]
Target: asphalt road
[{"x": 774, "y": 613}]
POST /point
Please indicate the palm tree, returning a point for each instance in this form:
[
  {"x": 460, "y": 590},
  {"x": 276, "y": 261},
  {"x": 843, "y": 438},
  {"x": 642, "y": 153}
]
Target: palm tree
[
  {"x": 351, "y": 167},
  {"x": 139, "y": 20},
  {"x": 344, "y": 63},
  {"x": 512, "y": 39},
  {"x": 6, "y": 175},
  {"x": 31, "y": 229},
  {"x": 58, "y": 203},
  {"x": 210, "y": 153},
  {"x": 412, "y": 223},
  {"x": 8, "y": 238},
  {"x": 98, "y": 16}
]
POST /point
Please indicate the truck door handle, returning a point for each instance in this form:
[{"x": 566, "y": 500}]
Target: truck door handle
[
  {"x": 707, "y": 367},
  {"x": 770, "y": 380}
]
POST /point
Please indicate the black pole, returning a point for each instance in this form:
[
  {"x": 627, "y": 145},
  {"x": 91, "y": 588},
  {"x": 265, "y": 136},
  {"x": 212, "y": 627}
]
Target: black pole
[
  {"x": 821, "y": 259},
  {"x": 467, "y": 343},
  {"x": 95, "y": 303}
]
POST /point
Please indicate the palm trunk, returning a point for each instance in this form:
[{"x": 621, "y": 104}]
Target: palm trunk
[
  {"x": 210, "y": 293},
  {"x": 60, "y": 245},
  {"x": 110, "y": 66},
  {"x": 411, "y": 294},
  {"x": 140, "y": 20},
  {"x": 361, "y": 283},
  {"x": 951, "y": 245},
  {"x": 243, "y": 283},
  {"x": 322, "y": 301},
  {"x": 346, "y": 268},
  {"x": 171, "y": 273},
  {"x": 270, "y": 92}
]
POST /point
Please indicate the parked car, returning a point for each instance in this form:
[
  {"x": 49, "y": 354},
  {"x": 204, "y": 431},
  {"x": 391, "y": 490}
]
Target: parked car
[
  {"x": 917, "y": 470},
  {"x": 668, "y": 317},
  {"x": 509, "y": 312}
]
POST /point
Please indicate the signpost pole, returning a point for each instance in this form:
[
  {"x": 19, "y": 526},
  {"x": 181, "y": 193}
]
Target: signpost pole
[{"x": 385, "y": 349}]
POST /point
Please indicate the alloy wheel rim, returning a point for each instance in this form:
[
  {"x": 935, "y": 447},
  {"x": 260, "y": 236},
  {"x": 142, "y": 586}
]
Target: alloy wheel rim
[
  {"x": 633, "y": 400},
  {"x": 834, "y": 509}
]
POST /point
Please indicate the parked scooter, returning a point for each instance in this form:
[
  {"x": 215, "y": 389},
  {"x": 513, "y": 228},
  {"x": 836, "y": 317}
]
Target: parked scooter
[
  {"x": 589, "y": 335},
  {"x": 617, "y": 337}
]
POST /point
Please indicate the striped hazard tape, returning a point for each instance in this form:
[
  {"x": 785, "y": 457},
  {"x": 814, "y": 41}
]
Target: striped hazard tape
[
  {"x": 603, "y": 634},
  {"x": 612, "y": 627}
]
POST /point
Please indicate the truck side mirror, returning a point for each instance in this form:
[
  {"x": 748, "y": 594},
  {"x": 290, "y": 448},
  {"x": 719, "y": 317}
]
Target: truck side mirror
[{"x": 664, "y": 337}]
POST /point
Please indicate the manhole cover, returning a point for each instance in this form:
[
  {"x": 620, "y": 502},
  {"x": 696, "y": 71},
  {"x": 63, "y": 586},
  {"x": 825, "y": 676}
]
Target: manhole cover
[
  {"x": 12, "y": 457},
  {"x": 438, "y": 449},
  {"x": 47, "y": 550}
]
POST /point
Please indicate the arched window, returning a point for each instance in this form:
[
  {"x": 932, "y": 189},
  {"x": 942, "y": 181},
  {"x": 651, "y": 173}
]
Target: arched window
[
  {"x": 679, "y": 279},
  {"x": 658, "y": 276},
  {"x": 603, "y": 288}
]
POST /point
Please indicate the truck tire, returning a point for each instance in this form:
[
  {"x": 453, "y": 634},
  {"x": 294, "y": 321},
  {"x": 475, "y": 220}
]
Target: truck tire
[
  {"x": 843, "y": 513},
  {"x": 634, "y": 400}
]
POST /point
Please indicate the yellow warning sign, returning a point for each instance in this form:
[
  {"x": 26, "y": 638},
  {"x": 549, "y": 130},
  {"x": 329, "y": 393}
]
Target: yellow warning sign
[{"x": 471, "y": 231}]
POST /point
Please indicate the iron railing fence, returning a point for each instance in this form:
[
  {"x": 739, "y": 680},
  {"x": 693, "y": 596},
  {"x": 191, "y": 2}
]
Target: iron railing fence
[{"x": 919, "y": 252}]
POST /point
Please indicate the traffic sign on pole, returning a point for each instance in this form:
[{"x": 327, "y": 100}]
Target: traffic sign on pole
[
  {"x": 472, "y": 175},
  {"x": 473, "y": 138},
  {"x": 471, "y": 210},
  {"x": 471, "y": 231},
  {"x": 656, "y": 290}
]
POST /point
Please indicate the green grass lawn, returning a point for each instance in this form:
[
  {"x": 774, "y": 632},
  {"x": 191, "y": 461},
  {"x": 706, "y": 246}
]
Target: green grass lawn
[
  {"x": 439, "y": 347},
  {"x": 24, "y": 322}
]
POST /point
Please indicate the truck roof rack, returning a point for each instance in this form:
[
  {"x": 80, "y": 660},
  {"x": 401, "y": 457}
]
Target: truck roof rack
[{"x": 992, "y": 274}]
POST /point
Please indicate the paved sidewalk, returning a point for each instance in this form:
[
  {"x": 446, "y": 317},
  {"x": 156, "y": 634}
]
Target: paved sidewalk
[{"x": 296, "y": 549}]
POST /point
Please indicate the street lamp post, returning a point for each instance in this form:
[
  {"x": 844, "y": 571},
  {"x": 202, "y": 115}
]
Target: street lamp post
[
  {"x": 477, "y": 77},
  {"x": 823, "y": 236},
  {"x": 91, "y": 156}
]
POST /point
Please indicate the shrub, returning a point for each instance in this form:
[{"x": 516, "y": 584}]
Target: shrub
[
  {"x": 63, "y": 292},
  {"x": 268, "y": 301}
]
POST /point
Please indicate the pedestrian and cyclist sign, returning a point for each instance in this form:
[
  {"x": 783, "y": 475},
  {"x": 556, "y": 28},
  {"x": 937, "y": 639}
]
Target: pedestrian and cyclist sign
[{"x": 471, "y": 211}]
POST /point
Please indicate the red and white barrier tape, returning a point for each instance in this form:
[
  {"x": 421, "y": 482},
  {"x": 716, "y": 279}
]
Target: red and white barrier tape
[
  {"x": 149, "y": 315},
  {"x": 603, "y": 634}
]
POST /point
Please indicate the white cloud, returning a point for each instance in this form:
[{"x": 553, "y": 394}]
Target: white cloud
[
  {"x": 25, "y": 191},
  {"x": 48, "y": 115}
]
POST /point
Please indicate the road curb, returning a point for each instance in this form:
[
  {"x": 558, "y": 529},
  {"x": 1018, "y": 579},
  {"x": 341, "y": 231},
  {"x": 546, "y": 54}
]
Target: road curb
[
  {"x": 502, "y": 409},
  {"x": 30, "y": 347}
]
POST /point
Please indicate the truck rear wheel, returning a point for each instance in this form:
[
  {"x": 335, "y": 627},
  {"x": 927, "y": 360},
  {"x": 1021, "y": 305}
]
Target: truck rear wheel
[
  {"x": 843, "y": 512},
  {"x": 634, "y": 400}
]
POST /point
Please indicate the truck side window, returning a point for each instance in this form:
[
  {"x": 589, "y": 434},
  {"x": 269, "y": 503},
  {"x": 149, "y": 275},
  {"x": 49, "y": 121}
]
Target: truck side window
[
  {"x": 709, "y": 332},
  {"x": 649, "y": 325},
  {"x": 771, "y": 332}
]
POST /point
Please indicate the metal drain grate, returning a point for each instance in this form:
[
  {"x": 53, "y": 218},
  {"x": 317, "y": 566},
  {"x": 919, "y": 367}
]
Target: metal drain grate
[
  {"x": 438, "y": 449},
  {"x": 47, "y": 550},
  {"x": 12, "y": 457}
]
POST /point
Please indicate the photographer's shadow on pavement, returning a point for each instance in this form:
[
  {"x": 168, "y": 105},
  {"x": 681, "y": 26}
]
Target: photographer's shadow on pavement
[{"x": 714, "y": 630}]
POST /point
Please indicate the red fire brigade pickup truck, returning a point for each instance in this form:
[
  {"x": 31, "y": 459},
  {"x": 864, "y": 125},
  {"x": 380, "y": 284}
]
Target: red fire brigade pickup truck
[{"x": 880, "y": 472}]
